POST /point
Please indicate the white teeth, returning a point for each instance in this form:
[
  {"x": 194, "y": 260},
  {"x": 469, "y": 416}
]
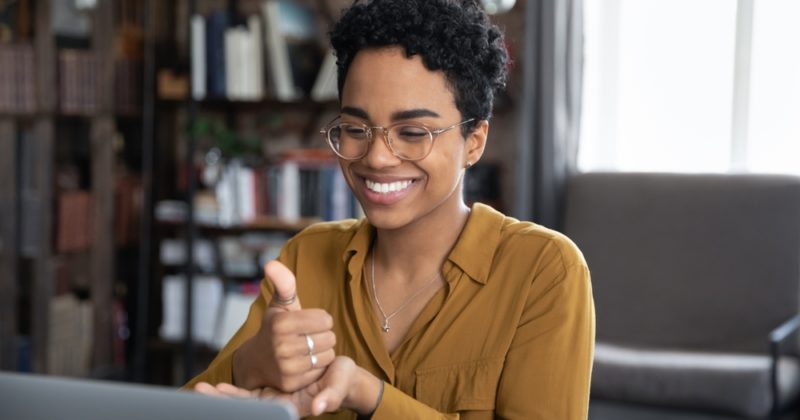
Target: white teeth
[{"x": 383, "y": 188}]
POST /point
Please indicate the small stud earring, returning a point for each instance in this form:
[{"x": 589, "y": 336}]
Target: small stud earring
[{"x": 469, "y": 164}]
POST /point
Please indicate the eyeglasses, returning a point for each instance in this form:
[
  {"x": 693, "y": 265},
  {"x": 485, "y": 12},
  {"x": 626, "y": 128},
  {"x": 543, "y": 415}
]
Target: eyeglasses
[{"x": 406, "y": 141}]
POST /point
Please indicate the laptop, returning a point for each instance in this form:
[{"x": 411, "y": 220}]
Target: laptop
[{"x": 35, "y": 397}]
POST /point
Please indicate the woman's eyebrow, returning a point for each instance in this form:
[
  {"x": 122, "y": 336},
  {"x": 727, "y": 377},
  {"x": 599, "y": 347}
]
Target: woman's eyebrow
[
  {"x": 413, "y": 113},
  {"x": 409, "y": 114},
  {"x": 356, "y": 112}
]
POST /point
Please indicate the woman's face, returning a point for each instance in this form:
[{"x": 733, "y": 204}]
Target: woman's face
[{"x": 384, "y": 87}]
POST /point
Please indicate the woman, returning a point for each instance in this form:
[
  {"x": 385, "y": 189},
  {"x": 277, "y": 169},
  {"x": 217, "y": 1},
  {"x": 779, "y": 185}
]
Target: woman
[{"x": 426, "y": 308}]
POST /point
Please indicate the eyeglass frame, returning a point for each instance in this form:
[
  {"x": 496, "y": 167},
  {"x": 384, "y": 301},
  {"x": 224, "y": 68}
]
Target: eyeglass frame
[{"x": 325, "y": 131}]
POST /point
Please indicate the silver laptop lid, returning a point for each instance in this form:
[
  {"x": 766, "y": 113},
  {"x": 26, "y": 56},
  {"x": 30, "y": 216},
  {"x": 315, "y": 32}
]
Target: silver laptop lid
[{"x": 34, "y": 397}]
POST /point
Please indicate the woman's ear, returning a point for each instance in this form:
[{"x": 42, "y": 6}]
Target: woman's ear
[{"x": 476, "y": 143}]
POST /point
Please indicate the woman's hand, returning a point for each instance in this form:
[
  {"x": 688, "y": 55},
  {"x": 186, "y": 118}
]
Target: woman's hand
[
  {"x": 344, "y": 385},
  {"x": 279, "y": 356}
]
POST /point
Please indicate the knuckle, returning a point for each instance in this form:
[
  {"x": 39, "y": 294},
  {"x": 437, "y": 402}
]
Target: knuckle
[
  {"x": 291, "y": 385},
  {"x": 328, "y": 320},
  {"x": 284, "y": 370},
  {"x": 281, "y": 350},
  {"x": 279, "y": 324}
]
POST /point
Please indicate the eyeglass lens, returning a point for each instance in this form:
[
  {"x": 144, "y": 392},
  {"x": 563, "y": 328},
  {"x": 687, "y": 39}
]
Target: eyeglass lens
[{"x": 406, "y": 141}]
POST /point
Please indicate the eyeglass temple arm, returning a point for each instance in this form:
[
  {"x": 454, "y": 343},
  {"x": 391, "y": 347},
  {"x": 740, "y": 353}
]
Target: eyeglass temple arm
[{"x": 442, "y": 130}]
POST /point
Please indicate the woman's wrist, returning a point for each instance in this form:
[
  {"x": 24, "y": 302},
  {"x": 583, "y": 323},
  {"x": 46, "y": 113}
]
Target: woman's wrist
[{"x": 364, "y": 397}]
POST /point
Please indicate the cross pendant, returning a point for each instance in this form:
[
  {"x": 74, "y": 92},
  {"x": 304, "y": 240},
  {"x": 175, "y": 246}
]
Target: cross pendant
[{"x": 385, "y": 327}]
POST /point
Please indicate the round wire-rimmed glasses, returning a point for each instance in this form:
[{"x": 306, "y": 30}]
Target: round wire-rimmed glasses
[{"x": 407, "y": 141}]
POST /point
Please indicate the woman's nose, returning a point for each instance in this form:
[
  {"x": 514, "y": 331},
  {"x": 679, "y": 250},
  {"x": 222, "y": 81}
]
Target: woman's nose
[{"x": 379, "y": 154}]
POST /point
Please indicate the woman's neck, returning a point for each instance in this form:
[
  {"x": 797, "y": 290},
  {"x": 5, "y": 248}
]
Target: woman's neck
[{"x": 416, "y": 250}]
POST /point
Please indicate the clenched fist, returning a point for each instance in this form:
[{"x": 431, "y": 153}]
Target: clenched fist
[{"x": 292, "y": 347}]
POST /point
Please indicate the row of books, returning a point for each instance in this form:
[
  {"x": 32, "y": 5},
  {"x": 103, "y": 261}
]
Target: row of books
[
  {"x": 75, "y": 209},
  {"x": 304, "y": 184},
  {"x": 78, "y": 83},
  {"x": 309, "y": 184},
  {"x": 216, "y": 313},
  {"x": 275, "y": 55},
  {"x": 17, "y": 79}
]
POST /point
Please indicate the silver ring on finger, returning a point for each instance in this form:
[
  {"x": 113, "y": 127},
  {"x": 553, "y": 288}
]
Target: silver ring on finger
[
  {"x": 313, "y": 360},
  {"x": 309, "y": 343},
  {"x": 284, "y": 302}
]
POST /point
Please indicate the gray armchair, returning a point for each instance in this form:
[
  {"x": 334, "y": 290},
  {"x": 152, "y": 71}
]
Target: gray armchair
[{"x": 697, "y": 289}]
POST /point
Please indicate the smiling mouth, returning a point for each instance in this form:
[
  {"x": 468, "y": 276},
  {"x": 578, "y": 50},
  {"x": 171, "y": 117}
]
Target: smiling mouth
[{"x": 388, "y": 187}]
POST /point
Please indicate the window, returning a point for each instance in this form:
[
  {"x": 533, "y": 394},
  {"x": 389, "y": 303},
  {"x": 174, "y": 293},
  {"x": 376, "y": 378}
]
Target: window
[{"x": 691, "y": 86}]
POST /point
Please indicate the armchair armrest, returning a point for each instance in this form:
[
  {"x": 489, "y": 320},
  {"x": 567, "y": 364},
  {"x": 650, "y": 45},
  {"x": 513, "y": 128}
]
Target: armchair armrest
[{"x": 777, "y": 337}]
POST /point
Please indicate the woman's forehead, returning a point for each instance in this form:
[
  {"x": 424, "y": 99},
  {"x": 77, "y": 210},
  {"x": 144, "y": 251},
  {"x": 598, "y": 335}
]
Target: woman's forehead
[{"x": 384, "y": 81}]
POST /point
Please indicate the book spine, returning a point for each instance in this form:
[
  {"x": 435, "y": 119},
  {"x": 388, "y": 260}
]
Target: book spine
[
  {"x": 217, "y": 23},
  {"x": 289, "y": 194},
  {"x": 255, "y": 52},
  {"x": 199, "y": 78},
  {"x": 232, "y": 64},
  {"x": 280, "y": 67}
]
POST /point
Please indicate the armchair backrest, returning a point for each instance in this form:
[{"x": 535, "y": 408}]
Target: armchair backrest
[{"x": 706, "y": 262}]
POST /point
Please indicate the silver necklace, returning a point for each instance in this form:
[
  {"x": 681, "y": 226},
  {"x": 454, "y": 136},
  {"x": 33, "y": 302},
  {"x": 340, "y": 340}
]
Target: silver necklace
[{"x": 386, "y": 318}]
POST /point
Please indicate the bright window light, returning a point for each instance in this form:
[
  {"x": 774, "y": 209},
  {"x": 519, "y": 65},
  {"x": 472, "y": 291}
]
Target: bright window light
[
  {"x": 659, "y": 86},
  {"x": 774, "y": 135}
]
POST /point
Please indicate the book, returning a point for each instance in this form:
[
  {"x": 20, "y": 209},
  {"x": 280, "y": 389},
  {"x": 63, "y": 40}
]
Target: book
[
  {"x": 70, "y": 336},
  {"x": 172, "y": 253},
  {"x": 216, "y": 25},
  {"x": 288, "y": 195},
  {"x": 25, "y": 80},
  {"x": 326, "y": 85},
  {"x": 235, "y": 308},
  {"x": 291, "y": 43},
  {"x": 17, "y": 79},
  {"x": 207, "y": 293},
  {"x": 255, "y": 53},
  {"x": 74, "y": 226},
  {"x": 77, "y": 82},
  {"x": 198, "y": 52},
  {"x": 234, "y": 62}
]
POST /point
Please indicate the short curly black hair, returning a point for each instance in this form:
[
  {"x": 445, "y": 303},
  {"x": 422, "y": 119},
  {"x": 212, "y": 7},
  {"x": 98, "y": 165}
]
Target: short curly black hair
[{"x": 454, "y": 36}]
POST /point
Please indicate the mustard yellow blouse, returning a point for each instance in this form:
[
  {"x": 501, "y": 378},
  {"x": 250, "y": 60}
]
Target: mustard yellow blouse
[{"x": 510, "y": 335}]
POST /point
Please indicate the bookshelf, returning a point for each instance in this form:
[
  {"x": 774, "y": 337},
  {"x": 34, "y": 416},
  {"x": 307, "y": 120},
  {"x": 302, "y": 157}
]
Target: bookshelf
[
  {"x": 263, "y": 114},
  {"x": 40, "y": 141}
]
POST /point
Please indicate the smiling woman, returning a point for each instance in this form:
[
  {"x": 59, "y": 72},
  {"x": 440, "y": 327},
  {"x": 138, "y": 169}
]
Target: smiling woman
[{"x": 426, "y": 308}]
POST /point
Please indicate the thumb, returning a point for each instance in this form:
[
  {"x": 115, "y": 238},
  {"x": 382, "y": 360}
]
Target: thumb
[
  {"x": 327, "y": 400},
  {"x": 284, "y": 285}
]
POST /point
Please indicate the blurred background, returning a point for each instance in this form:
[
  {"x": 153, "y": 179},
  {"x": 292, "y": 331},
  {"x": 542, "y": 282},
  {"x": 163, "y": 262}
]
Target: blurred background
[{"x": 135, "y": 133}]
